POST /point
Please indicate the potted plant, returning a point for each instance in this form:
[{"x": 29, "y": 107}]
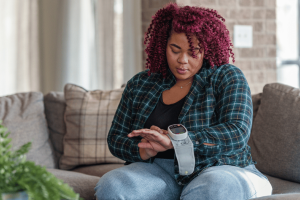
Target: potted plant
[{"x": 22, "y": 179}]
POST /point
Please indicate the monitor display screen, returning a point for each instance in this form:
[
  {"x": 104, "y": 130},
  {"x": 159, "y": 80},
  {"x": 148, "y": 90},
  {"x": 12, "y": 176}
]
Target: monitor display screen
[{"x": 177, "y": 130}]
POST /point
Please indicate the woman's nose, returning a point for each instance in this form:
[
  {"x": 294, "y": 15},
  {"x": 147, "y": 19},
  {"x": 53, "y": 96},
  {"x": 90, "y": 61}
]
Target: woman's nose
[{"x": 183, "y": 59}]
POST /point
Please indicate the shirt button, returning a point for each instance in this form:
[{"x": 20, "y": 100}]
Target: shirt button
[
  {"x": 197, "y": 142},
  {"x": 179, "y": 183},
  {"x": 176, "y": 165}
]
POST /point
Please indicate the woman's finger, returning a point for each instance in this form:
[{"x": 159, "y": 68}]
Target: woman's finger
[
  {"x": 148, "y": 135},
  {"x": 145, "y": 145},
  {"x": 151, "y": 136},
  {"x": 156, "y": 128},
  {"x": 144, "y": 140},
  {"x": 143, "y": 132},
  {"x": 162, "y": 131}
]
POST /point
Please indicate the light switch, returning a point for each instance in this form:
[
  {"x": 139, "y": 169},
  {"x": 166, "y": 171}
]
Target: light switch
[{"x": 242, "y": 37}]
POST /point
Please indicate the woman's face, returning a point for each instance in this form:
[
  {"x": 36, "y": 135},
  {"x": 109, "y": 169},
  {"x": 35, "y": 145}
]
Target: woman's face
[{"x": 179, "y": 56}]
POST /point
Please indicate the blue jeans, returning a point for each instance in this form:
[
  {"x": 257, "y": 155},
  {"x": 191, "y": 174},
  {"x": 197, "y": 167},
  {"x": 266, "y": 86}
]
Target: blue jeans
[{"x": 156, "y": 181}]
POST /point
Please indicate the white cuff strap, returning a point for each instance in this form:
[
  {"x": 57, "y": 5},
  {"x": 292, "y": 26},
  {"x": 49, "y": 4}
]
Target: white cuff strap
[{"x": 184, "y": 150}]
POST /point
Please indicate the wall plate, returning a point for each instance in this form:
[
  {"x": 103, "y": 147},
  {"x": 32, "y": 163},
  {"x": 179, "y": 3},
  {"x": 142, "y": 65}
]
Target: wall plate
[{"x": 242, "y": 37}]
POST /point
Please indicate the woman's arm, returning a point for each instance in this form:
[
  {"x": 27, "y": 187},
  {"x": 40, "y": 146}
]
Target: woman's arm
[
  {"x": 120, "y": 145},
  {"x": 234, "y": 112}
]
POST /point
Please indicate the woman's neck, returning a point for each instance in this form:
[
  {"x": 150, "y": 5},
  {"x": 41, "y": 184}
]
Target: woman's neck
[{"x": 180, "y": 82}]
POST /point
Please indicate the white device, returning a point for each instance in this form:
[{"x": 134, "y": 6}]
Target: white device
[{"x": 184, "y": 148}]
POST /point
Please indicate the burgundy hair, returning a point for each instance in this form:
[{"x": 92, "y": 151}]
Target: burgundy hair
[{"x": 206, "y": 24}]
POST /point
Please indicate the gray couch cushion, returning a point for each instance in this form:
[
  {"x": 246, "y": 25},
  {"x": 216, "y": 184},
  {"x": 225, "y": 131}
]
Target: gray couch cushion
[
  {"x": 97, "y": 170},
  {"x": 295, "y": 196},
  {"x": 23, "y": 115},
  {"x": 55, "y": 106},
  {"x": 81, "y": 183},
  {"x": 256, "y": 101},
  {"x": 282, "y": 186},
  {"x": 275, "y": 135}
]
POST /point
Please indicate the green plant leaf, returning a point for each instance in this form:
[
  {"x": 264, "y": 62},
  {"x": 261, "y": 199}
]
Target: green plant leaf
[{"x": 17, "y": 174}]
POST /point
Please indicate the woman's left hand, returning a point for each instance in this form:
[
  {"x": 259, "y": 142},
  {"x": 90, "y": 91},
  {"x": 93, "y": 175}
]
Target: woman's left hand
[{"x": 157, "y": 141}]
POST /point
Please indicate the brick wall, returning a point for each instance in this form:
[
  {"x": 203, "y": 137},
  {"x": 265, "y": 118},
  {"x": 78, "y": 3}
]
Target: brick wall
[{"x": 259, "y": 62}]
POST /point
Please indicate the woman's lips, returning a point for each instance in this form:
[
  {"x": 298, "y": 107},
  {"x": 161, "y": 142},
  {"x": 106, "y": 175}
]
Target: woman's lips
[{"x": 181, "y": 71}]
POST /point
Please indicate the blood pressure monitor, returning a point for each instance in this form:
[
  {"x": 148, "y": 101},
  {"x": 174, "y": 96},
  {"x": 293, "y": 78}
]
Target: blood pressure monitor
[{"x": 184, "y": 148}]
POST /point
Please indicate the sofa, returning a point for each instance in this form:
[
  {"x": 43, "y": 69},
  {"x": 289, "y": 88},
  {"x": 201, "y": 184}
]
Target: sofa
[{"x": 68, "y": 132}]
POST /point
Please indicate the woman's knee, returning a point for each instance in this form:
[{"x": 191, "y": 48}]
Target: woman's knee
[
  {"x": 136, "y": 182},
  {"x": 216, "y": 184},
  {"x": 109, "y": 185}
]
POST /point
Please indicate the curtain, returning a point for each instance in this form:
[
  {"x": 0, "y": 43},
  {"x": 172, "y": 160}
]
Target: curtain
[
  {"x": 105, "y": 42},
  {"x": 77, "y": 43},
  {"x": 45, "y": 44},
  {"x": 19, "y": 46}
]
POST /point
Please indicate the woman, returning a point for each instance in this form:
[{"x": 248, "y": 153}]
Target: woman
[{"x": 189, "y": 82}]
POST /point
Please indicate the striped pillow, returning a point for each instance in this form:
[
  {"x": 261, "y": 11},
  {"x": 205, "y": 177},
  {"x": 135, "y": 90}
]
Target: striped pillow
[{"x": 88, "y": 118}]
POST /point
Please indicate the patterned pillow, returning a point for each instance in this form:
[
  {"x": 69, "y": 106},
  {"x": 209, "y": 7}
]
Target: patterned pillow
[{"x": 88, "y": 118}]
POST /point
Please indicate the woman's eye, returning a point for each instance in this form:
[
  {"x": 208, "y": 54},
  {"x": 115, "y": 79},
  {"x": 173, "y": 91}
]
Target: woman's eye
[
  {"x": 195, "y": 52},
  {"x": 174, "y": 51}
]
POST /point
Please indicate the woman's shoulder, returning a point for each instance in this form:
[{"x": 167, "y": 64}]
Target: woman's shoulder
[
  {"x": 228, "y": 71},
  {"x": 143, "y": 78},
  {"x": 227, "y": 75},
  {"x": 141, "y": 75},
  {"x": 228, "y": 68}
]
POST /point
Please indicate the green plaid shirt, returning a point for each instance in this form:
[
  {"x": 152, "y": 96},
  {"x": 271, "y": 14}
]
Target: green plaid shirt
[{"x": 218, "y": 110}]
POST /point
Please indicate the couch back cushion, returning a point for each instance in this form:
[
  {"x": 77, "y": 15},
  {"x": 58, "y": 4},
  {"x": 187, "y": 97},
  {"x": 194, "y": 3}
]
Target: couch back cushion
[
  {"x": 256, "y": 101},
  {"x": 55, "y": 107},
  {"x": 88, "y": 118},
  {"x": 23, "y": 115},
  {"x": 275, "y": 135}
]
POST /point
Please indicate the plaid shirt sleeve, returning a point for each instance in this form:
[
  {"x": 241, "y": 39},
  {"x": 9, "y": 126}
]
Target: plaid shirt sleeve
[
  {"x": 234, "y": 112},
  {"x": 120, "y": 145}
]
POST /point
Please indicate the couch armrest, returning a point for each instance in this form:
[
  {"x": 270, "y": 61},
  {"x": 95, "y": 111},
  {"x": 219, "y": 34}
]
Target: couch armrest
[{"x": 81, "y": 183}]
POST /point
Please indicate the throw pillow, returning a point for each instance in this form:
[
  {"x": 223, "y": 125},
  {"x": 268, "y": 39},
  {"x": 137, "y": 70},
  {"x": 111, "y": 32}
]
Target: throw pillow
[
  {"x": 55, "y": 107},
  {"x": 88, "y": 118},
  {"x": 23, "y": 115},
  {"x": 275, "y": 135}
]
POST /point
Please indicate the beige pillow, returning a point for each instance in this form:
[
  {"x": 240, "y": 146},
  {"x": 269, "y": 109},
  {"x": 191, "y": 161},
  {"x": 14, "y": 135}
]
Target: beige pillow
[
  {"x": 23, "y": 115},
  {"x": 88, "y": 118}
]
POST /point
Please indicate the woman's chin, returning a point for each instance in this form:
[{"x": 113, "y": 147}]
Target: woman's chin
[{"x": 182, "y": 77}]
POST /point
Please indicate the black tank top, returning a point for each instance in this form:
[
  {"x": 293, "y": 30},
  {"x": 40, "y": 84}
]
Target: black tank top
[{"x": 162, "y": 116}]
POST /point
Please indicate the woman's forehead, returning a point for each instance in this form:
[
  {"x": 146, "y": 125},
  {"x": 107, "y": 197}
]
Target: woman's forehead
[{"x": 181, "y": 40}]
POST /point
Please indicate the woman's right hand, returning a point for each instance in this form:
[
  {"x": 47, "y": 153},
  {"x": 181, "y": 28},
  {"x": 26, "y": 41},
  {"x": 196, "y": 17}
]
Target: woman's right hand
[{"x": 147, "y": 153}]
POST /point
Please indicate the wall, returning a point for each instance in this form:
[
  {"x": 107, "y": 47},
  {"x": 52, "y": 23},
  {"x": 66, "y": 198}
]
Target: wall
[
  {"x": 149, "y": 8},
  {"x": 259, "y": 62}
]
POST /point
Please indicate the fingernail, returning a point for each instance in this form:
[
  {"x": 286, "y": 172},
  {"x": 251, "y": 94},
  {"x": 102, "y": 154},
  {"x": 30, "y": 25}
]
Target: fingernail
[{"x": 160, "y": 131}]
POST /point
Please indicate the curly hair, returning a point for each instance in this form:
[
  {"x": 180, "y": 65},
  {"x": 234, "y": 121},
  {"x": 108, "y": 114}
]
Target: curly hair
[{"x": 206, "y": 24}]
